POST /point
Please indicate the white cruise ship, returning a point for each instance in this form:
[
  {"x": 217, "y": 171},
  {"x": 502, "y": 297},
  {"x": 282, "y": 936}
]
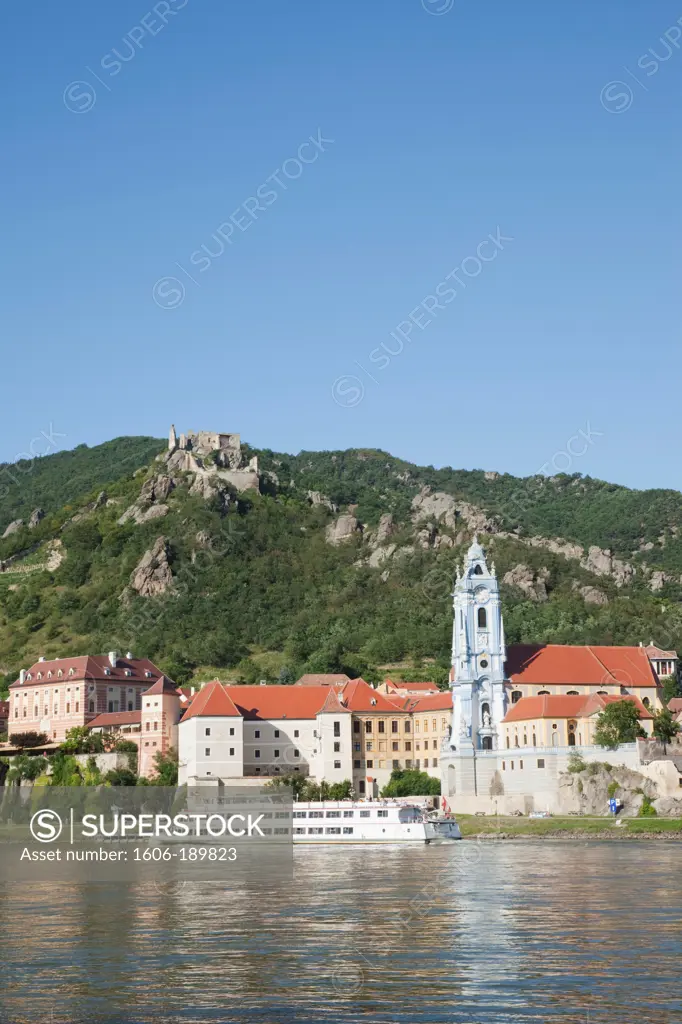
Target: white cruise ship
[{"x": 331, "y": 821}]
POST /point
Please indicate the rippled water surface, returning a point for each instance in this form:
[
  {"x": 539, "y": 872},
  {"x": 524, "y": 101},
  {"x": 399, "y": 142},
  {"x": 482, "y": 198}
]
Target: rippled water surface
[{"x": 473, "y": 932}]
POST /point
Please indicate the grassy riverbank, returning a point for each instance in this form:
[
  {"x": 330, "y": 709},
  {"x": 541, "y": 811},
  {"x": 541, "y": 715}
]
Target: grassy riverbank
[{"x": 502, "y": 827}]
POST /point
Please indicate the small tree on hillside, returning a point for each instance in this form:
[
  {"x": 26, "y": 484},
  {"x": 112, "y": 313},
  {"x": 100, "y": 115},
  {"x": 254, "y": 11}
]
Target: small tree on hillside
[
  {"x": 665, "y": 727},
  {"x": 618, "y": 723}
]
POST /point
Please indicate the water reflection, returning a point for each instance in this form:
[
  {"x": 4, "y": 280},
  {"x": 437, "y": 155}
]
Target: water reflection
[{"x": 508, "y": 932}]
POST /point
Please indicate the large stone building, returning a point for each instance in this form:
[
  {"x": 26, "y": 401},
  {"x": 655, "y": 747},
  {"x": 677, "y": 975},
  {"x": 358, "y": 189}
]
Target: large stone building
[
  {"x": 54, "y": 696},
  {"x": 522, "y": 709}
]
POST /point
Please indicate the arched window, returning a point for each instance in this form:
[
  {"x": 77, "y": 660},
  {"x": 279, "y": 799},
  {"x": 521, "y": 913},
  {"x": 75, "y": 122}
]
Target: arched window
[
  {"x": 543, "y": 693},
  {"x": 602, "y": 693},
  {"x": 487, "y": 743},
  {"x": 507, "y": 743},
  {"x": 555, "y": 739},
  {"x": 535, "y": 742},
  {"x": 646, "y": 702},
  {"x": 572, "y": 693},
  {"x": 482, "y": 618},
  {"x": 516, "y": 696},
  {"x": 478, "y": 571}
]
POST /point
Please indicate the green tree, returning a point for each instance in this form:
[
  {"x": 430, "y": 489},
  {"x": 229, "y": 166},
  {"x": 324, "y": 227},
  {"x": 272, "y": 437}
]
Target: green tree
[
  {"x": 120, "y": 777},
  {"x": 80, "y": 740},
  {"x": 665, "y": 726},
  {"x": 410, "y": 782},
  {"x": 25, "y": 740},
  {"x": 165, "y": 769},
  {"x": 618, "y": 723},
  {"x": 671, "y": 688},
  {"x": 26, "y": 768}
]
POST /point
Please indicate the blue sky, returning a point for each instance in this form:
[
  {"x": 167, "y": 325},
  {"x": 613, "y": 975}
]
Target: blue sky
[{"x": 438, "y": 124}]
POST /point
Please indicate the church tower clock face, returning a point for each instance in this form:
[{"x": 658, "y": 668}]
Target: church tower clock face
[{"x": 482, "y": 594}]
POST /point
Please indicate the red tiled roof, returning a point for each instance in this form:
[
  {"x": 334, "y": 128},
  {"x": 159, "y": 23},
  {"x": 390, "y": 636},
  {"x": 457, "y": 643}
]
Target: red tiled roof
[
  {"x": 258, "y": 703},
  {"x": 656, "y": 652},
  {"x": 358, "y": 695},
  {"x": 332, "y": 705},
  {"x": 116, "y": 718},
  {"x": 413, "y": 687},
  {"x": 323, "y": 679},
  {"x": 675, "y": 704},
  {"x": 539, "y": 664},
  {"x": 92, "y": 667},
  {"x": 162, "y": 685},
  {"x": 212, "y": 701},
  {"x": 441, "y": 701},
  {"x": 561, "y": 705}
]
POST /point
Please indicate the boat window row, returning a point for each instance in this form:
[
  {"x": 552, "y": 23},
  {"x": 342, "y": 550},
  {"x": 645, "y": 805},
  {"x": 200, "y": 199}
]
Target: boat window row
[
  {"x": 346, "y": 831},
  {"x": 337, "y": 814}
]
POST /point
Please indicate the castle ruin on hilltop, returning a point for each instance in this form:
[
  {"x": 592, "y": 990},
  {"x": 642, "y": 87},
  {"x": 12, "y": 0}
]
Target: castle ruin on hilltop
[{"x": 212, "y": 454}]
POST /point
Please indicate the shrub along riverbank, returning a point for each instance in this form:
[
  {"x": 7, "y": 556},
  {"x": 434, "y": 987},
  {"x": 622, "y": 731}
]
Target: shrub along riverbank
[{"x": 577, "y": 827}]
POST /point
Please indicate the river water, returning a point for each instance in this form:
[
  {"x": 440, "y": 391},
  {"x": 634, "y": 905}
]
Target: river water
[{"x": 497, "y": 931}]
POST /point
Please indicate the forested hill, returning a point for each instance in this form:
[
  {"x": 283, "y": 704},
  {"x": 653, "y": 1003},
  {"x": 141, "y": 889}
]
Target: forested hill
[{"x": 340, "y": 561}]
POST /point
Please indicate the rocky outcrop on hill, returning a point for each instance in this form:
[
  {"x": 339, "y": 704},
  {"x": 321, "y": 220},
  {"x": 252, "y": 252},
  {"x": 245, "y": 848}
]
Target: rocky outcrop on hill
[
  {"x": 13, "y": 527},
  {"x": 151, "y": 502},
  {"x": 55, "y": 555},
  {"x": 36, "y": 515},
  {"x": 88, "y": 509},
  {"x": 342, "y": 529},
  {"x": 532, "y": 584},
  {"x": 590, "y": 595},
  {"x": 602, "y": 562},
  {"x": 380, "y": 555},
  {"x": 316, "y": 498},
  {"x": 152, "y": 575},
  {"x": 444, "y": 508}
]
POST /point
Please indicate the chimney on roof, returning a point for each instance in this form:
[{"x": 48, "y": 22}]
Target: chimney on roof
[
  {"x": 41, "y": 658},
  {"x": 22, "y": 675},
  {"x": 113, "y": 655},
  {"x": 264, "y": 682},
  {"x": 129, "y": 655}
]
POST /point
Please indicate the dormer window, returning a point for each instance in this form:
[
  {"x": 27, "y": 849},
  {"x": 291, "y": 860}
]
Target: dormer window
[
  {"x": 59, "y": 674},
  {"x": 39, "y": 676},
  {"x": 49, "y": 675},
  {"x": 148, "y": 674},
  {"x": 128, "y": 672},
  {"x": 107, "y": 671},
  {"x": 29, "y": 676},
  {"x": 71, "y": 671}
]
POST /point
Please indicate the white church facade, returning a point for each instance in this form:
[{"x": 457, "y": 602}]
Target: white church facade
[{"x": 519, "y": 712}]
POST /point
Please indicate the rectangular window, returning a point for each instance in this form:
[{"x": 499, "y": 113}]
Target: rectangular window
[
  {"x": 408, "y": 745},
  {"x": 337, "y": 748},
  {"x": 276, "y": 753},
  {"x": 395, "y": 745},
  {"x": 365, "y": 814},
  {"x": 504, "y": 766},
  {"x": 78, "y": 707},
  {"x": 382, "y": 764},
  {"x": 435, "y": 762},
  {"x": 416, "y": 726},
  {"x": 276, "y": 734},
  {"x": 337, "y": 764},
  {"x": 356, "y": 764},
  {"x": 207, "y": 752},
  {"x": 257, "y": 769},
  {"x": 541, "y": 762},
  {"x": 370, "y": 764},
  {"x": 396, "y": 764},
  {"x": 368, "y": 726},
  {"x": 299, "y": 831},
  {"x": 426, "y": 725},
  {"x": 333, "y": 831},
  {"x": 256, "y": 753},
  {"x": 349, "y": 814},
  {"x": 257, "y": 734},
  {"x": 315, "y": 831},
  {"x": 444, "y": 724},
  {"x": 333, "y": 814},
  {"x": 299, "y": 814},
  {"x": 382, "y": 814},
  {"x": 394, "y": 726},
  {"x": 316, "y": 814},
  {"x": 296, "y": 754},
  {"x": 348, "y": 831},
  {"x": 426, "y": 762},
  {"x": 231, "y": 751},
  {"x": 356, "y": 747},
  {"x": 337, "y": 728},
  {"x": 231, "y": 732},
  {"x": 434, "y": 725},
  {"x": 368, "y": 745},
  {"x": 511, "y": 765},
  {"x": 208, "y": 732},
  {"x": 407, "y": 725},
  {"x": 356, "y": 726},
  {"x": 520, "y": 764},
  {"x": 295, "y": 734},
  {"x": 382, "y": 726},
  {"x": 361, "y": 787}
]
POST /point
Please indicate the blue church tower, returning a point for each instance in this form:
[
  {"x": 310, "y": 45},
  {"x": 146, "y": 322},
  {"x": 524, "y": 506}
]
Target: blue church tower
[{"x": 478, "y": 656}]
